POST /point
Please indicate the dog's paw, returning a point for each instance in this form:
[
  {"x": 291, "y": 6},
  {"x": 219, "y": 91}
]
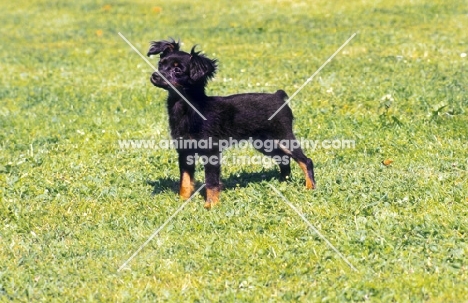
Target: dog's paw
[
  {"x": 310, "y": 184},
  {"x": 185, "y": 192},
  {"x": 209, "y": 205}
]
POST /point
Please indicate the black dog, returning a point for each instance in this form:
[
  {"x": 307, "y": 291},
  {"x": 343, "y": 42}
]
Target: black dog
[{"x": 195, "y": 116}]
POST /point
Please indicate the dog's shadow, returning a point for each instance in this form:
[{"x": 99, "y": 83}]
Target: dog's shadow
[{"x": 235, "y": 180}]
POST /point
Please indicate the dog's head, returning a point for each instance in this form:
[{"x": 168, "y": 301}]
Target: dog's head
[{"x": 181, "y": 69}]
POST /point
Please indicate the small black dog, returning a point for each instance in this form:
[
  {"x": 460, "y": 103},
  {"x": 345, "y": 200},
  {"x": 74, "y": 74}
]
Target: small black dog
[{"x": 236, "y": 117}]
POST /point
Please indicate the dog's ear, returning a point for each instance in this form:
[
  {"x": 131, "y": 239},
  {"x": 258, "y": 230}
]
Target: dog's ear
[
  {"x": 202, "y": 68},
  {"x": 163, "y": 47}
]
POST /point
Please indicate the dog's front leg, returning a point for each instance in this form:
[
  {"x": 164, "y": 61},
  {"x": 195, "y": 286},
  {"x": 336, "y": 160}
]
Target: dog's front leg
[
  {"x": 212, "y": 180},
  {"x": 187, "y": 173}
]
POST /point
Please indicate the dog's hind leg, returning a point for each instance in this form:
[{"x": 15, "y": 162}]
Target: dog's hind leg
[
  {"x": 305, "y": 163},
  {"x": 285, "y": 168},
  {"x": 281, "y": 158},
  {"x": 307, "y": 167}
]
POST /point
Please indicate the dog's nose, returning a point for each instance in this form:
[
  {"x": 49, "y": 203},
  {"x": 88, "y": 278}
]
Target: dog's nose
[{"x": 155, "y": 78}]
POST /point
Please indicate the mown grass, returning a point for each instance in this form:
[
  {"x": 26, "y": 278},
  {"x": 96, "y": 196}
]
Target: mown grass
[{"x": 74, "y": 206}]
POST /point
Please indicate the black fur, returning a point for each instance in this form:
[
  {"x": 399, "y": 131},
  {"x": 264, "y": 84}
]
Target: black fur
[{"x": 241, "y": 116}]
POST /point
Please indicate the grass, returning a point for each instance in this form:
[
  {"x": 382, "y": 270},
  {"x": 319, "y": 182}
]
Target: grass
[{"x": 74, "y": 206}]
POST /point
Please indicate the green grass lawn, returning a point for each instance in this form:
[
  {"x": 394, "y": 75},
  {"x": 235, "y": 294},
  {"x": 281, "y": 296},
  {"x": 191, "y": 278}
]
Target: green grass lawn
[{"x": 74, "y": 206}]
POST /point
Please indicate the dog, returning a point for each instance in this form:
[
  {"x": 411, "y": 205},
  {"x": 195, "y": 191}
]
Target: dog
[{"x": 195, "y": 116}]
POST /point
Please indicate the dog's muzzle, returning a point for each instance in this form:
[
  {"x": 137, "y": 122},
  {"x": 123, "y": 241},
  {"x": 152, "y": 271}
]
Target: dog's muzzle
[{"x": 157, "y": 80}]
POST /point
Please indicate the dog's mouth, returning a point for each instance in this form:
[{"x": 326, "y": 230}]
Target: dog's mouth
[{"x": 158, "y": 81}]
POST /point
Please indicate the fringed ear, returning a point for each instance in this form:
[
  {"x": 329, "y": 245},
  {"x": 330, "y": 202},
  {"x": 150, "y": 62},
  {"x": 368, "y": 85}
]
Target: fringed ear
[
  {"x": 202, "y": 68},
  {"x": 163, "y": 47}
]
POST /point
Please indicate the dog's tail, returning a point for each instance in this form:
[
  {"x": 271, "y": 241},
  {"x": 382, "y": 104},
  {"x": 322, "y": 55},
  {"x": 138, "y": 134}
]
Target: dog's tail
[{"x": 282, "y": 94}]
